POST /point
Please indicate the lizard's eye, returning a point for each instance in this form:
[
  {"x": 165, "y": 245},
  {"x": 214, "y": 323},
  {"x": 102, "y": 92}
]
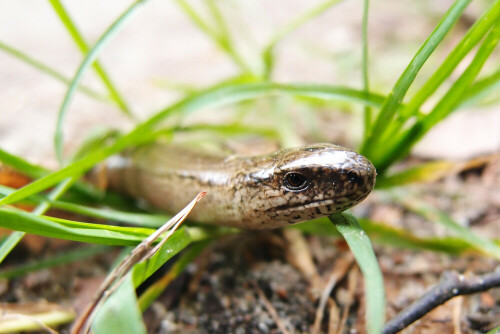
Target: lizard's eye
[{"x": 295, "y": 181}]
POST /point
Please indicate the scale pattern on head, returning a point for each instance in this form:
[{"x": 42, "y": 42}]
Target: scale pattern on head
[{"x": 300, "y": 184}]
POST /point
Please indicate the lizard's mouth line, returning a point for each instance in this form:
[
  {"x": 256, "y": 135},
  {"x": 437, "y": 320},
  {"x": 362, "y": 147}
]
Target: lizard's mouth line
[{"x": 312, "y": 205}]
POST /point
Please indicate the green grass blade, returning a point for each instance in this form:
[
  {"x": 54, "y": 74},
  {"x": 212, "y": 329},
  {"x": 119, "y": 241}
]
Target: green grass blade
[
  {"x": 156, "y": 289},
  {"x": 50, "y": 71},
  {"x": 9, "y": 243},
  {"x": 427, "y": 172},
  {"x": 196, "y": 19},
  {"x": 209, "y": 98},
  {"x": 82, "y": 45},
  {"x": 95, "y": 139},
  {"x": 34, "y": 171},
  {"x": 366, "y": 80},
  {"x": 292, "y": 25},
  {"x": 119, "y": 304},
  {"x": 89, "y": 59},
  {"x": 57, "y": 192},
  {"x": 393, "y": 237},
  {"x": 482, "y": 244},
  {"x": 473, "y": 36},
  {"x": 75, "y": 168},
  {"x": 226, "y": 43},
  {"x": 394, "y": 99},
  {"x": 139, "y": 219},
  {"x": 221, "y": 37},
  {"x": 226, "y": 95},
  {"x": 495, "y": 330},
  {"x": 470, "y": 40},
  {"x": 54, "y": 261},
  {"x": 235, "y": 129},
  {"x": 22, "y": 165},
  {"x": 445, "y": 106},
  {"x": 362, "y": 250},
  {"x": 70, "y": 230},
  {"x": 303, "y": 18},
  {"x": 481, "y": 89},
  {"x": 120, "y": 313}
]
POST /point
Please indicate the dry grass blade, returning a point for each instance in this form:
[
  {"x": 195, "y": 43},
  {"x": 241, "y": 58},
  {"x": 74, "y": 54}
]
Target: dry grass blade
[
  {"x": 339, "y": 271},
  {"x": 299, "y": 255},
  {"x": 24, "y": 317},
  {"x": 142, "y": 252},
  {"x": 272, "y": 311},
  {"x": 457, "y": 311},
  {"x": 352, "y": 282},
  {"x": 334, "y": 319}
]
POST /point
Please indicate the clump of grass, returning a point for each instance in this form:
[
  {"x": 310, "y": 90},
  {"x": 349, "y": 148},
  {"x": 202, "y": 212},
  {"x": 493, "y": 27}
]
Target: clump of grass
[{"x": 388, "y": 137}]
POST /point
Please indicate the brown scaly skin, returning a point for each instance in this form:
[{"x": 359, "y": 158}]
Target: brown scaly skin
[{"x": 259, "y": 192}]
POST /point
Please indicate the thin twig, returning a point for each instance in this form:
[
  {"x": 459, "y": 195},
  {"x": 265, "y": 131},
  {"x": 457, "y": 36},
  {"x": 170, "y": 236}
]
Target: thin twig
[
  {"x": 352, "y": 282},
  {"x": 141, "y": 252},
  {"x": 339, "y": 271},
  {"x": 452, "y": 284},
  {"x": 334, "y": 317},
  {"x": 270, "y": 308},
  {"x": 299, "y": 255}
]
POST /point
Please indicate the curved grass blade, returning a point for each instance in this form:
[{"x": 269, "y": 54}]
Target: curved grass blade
[
  {"x": 70, "y": 230},
  {"x": 293, "y": 24},
  {"x": 394, "y": 237},
  {"x": 468, "y": 42},
  {"x": 481, "y": 89},
  {"x": 225, "y": 40},
  {"x": 127, "y": 269},
  {"x": 82, "y": 45},
  {"x": 54, "y": 261},
  {"x": 232, "y": 94},
  {"x": 50, "y": 71},
  {"x": 139, "y": 219},
  {"x": 221, "y": 36},
  {"x": 471, "y": 39},
  {"x": 234, "y": 129},
  {"x": 22, "y": 165},
  {"x": 495, "y": 330},
  {"x": 361, "y": 248},
  {"x": 445, "y": 106},
  {"x": 427, "y": 172},
  {"x": 123, "y": 305},
  {"x": 9, "y": 243},
  {"x": 35, "y": 171},
  {"x": 121, "y": 313},
  {"x": 210, "y": 98},
  {"x": 366, "y": 80},
  {"x": 154, "y": 291},
  {"x": 87, "y": 62},
  {"x": 484, "y": 245},
  {"x": 12, "y": 240},
  {"x": 394, "y": 99}
]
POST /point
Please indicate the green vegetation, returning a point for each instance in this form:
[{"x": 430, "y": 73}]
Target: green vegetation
[{"x": 393, "y": 124}]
